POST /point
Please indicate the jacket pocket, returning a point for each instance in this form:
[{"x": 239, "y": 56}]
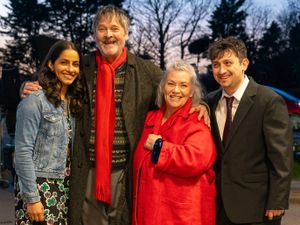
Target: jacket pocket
[
  {"x": 52, "y": 124},
  {"x": 49, "y": 142}
]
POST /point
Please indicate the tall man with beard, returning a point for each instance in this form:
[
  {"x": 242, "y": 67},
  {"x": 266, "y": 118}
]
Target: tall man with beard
[{"x": 120, "y": 89}]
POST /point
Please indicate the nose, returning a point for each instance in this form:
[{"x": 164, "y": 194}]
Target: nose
[
  {"x": 176, "y": 88},
  {"x": 72, "y": 68},
  {"x": 222, "y": 69},
  {"x": 108, "y": 33}
]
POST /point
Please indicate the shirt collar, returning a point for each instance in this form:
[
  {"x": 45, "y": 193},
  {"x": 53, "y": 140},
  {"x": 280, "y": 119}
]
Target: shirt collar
[{"x": 239, "y": 92}]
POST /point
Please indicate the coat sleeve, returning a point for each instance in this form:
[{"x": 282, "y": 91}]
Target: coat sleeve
[
  {"x": 156, "y": 76},
  {"x": 27, "y": 125},
  {"x": 278, "y": 139},
  {"x": 191, "y": 158}
]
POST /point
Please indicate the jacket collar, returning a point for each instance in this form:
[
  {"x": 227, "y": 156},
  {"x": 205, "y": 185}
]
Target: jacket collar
[{"x": 155, "y": 121}]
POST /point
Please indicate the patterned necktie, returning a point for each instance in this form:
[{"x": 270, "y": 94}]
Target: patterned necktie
[{"x": 229, "y": 101}]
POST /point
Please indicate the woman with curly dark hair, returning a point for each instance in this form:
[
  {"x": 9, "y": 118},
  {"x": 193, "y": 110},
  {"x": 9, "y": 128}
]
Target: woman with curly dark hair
[{"x": 43, "y": 141}]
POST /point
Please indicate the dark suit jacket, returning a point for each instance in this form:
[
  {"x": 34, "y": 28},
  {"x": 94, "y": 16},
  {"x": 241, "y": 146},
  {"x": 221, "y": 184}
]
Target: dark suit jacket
[
  {"x": 141, "y": 81},
  {"x": 254, "y": 168}
]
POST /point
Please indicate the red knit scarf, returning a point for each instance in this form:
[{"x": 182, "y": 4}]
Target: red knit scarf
[{"x": 105, "y": 113}]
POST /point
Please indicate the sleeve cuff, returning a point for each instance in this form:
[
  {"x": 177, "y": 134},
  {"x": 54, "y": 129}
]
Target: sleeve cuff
[{"x": 156, "y": 150}]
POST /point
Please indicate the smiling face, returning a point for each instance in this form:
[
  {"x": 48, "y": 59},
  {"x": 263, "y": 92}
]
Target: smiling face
[
  {"x": 177, "y": 90},
  {"x": 110, "y": 37},
  {"x": 66, "y": 66},
  {"x": 228, "y": 71}
]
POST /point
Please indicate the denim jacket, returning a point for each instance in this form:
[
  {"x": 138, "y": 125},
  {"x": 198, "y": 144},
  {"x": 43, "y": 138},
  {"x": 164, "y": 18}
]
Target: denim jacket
[{"x": 41, "y": 142}]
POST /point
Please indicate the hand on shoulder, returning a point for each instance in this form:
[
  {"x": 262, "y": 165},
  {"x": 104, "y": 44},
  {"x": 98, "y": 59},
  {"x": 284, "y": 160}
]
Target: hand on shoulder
[{"x": 29, "y": 87}]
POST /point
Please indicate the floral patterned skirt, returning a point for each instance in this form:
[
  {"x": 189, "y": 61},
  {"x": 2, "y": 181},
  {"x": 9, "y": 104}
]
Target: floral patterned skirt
[{"x": 54, "y": 197}]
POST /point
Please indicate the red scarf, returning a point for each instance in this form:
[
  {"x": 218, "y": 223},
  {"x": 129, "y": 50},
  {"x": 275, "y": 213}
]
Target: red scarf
[{"x": 105, "y": 113}]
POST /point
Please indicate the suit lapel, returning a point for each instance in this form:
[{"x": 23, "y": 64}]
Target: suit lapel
[{"x": 242, "y": 110}]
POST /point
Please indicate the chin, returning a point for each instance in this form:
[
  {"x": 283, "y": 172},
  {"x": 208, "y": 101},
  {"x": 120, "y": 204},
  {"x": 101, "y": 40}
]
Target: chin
[
  {"x": 68, "y": 83},
  {"x": 175, "y": 107}
]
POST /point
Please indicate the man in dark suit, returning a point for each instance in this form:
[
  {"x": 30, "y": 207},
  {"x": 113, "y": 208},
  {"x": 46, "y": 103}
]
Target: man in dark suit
[{"x": 254, "y": 139}]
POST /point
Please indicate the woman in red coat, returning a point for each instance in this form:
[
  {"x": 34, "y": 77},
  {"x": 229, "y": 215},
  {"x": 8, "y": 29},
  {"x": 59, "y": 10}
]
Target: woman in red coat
[{"x": 173, "y": 162}]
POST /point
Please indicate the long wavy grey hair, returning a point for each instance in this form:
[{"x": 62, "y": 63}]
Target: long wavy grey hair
[{"x": 180, "y": 65}]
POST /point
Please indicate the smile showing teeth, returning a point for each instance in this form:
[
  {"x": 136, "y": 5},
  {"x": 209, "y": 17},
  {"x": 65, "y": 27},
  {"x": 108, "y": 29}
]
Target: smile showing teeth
[
  {"x": 175, "y": 97},
  {"x": 69, "y": 76},
  {"x": 109, "y": 42}
]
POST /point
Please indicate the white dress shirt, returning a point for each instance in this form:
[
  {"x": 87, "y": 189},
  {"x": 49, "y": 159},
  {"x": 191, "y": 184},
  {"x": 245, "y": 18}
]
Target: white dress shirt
[{"x": 221, "y": 108}]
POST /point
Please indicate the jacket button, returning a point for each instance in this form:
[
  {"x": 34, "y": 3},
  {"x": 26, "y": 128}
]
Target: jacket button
[{"x": 79, "y": 165}]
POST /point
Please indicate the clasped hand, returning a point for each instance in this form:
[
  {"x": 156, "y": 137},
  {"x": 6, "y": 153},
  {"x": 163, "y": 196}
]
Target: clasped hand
[{"x": 150, "y": 141}]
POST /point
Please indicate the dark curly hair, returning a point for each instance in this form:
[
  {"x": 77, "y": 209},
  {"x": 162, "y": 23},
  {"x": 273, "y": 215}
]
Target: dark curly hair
[
  {"x": 221, "y": 45},
  {"x": 52, "y": 85}
]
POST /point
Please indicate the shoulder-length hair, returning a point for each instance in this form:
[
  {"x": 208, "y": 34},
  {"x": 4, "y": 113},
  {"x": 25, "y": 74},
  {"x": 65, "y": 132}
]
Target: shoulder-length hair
[
  {"x": 52, "y": 85},
  {"x": 180, "y": 65}
]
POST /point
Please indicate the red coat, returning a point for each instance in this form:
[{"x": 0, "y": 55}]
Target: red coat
[{"x": 179, "y": 189}]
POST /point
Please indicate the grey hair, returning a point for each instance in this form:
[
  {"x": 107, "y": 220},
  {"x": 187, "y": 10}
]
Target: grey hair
[
  {"x": 110, "y": 12},
  {"x": 180, "y": 65}
]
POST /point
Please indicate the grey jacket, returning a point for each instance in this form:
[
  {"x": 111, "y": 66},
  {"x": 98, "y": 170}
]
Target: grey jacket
[{"x": 141, "y": 81}]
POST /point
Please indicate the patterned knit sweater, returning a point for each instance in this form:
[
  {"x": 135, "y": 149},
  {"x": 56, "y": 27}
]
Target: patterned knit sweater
[{"x": 120, "y": 148}]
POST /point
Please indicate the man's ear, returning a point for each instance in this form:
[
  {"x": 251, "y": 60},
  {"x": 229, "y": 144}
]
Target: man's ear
[
  {"x": 245, "y": 64},
  {"x": 126, "y": 36}
]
